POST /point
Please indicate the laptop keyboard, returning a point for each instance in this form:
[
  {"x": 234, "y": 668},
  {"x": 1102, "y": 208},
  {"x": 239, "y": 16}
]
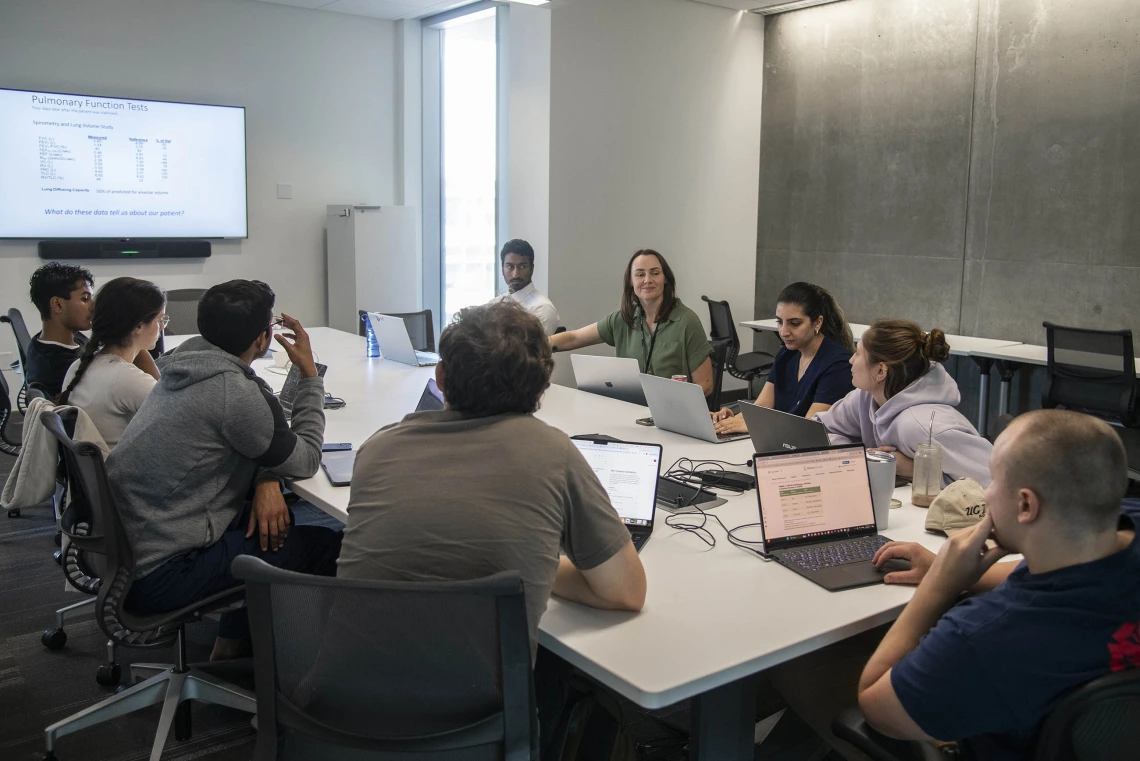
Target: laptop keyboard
[{"x": 814, "y": 558}]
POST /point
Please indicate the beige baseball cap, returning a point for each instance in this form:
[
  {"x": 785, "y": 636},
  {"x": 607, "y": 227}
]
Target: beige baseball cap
[{"x": 960, "y": 505}]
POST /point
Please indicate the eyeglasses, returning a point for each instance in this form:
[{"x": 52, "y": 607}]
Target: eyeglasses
[
  {"x": 165, "y": 321},
  {"x": 277, "y": 322}
]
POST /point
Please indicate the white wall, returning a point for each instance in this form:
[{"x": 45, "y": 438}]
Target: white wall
[
  {"x": 320, "y": 95},
  {"x": 654, "y": 143}
]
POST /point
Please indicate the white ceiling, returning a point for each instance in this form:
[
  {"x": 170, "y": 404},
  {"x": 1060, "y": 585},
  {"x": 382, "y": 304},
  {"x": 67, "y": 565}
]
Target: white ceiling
[{"x": 383, "y": 9}]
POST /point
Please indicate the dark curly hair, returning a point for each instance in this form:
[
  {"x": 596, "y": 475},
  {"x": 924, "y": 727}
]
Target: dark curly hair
[
  {"x": 232, "y": 315},
  {"x": 56, "y": 279},
  {"x": 496, "y": 359}
]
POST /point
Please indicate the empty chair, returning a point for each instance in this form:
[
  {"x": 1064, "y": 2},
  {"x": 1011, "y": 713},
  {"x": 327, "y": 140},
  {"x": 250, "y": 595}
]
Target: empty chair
[
  {"x": 182, "y": 309},
  {"x": 103, "y": 539},
  {"x": 376, "y": 670},
  {"x": 746, "y": 366},
  {"x": 421, "y": 329},
  {"x": 1092, "y": 371},
  {"x": 1097, "y": 722},
  {"x": 23, "y": 341},
  {"x": 9, "y": 444}
]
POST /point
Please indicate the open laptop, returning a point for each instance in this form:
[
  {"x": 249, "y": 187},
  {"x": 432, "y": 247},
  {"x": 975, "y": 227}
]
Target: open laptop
[
  {"x": 431, "y": 399},
  {"x": 289, "y": 390},
  {"x": 817, "y": 517},
  {"x": 775, "y": 431},
  {"x": 338, "y": 466},
  {"x": 395, "y": 343},
  {"x": 628, "y": 471},
  {"x": 615, "y": 377},
  {"x": 681, "y": 408}
]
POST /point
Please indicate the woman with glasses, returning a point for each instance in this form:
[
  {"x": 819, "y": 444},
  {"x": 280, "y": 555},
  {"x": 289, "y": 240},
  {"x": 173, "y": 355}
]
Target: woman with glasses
[{"x": 115, "y": 373}]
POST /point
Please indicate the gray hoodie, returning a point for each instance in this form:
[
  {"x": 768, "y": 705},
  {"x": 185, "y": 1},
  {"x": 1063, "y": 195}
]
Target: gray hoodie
[
  {"x": 187, "y": 461},
  {"x": 904, "y": 422}
]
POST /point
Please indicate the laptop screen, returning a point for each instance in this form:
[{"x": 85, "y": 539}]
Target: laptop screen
[
  {"x": 814, "y": 495},
  {"x": 629, "y": 474}
]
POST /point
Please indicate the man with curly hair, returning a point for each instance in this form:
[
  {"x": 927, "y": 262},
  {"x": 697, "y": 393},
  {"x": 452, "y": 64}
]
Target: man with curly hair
[{"x": 62, "y": 294}]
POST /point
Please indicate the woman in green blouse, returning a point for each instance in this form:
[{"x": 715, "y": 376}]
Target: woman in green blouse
[{"x": 652, "y": 325}]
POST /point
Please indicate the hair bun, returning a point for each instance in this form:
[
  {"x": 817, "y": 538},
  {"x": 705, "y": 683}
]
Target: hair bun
[{"x": 933, "y": 346}]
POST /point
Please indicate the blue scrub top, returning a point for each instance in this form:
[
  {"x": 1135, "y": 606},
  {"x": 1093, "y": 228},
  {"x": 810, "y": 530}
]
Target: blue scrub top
[{"x": 826, "y": 380}]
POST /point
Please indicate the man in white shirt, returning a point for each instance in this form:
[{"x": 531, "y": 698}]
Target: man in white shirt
[{"x": 517, "y": 259}]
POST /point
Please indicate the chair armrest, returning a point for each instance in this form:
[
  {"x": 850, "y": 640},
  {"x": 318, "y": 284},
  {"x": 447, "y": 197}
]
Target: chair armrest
[{"x": 850, "y": 726}]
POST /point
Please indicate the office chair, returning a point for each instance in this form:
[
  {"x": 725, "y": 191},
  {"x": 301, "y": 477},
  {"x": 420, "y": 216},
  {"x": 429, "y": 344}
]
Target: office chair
[
  {"x": 1092, "y": 371},
  {"x": 1097, "y": 722},
  {"x": 720, "y": 351},
  {"x": 7, "y": 445},
  {"x": 23, "y": 341},
  {"x": 421, "y": 329},
  {"x": 103, "y": 538},
  {"x": 747, "y": 366},
  {"x": 182, "y": 309},
  {"x": 379, "y": 670}
]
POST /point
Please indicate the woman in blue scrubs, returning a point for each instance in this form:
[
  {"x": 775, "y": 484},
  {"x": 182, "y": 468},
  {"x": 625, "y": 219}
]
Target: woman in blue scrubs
[{"x": 811, "y": 372}]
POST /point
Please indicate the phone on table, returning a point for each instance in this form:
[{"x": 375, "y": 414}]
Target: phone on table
[
  {"x": 332, "y": 447},
  {"x": 646, "y": 421}
]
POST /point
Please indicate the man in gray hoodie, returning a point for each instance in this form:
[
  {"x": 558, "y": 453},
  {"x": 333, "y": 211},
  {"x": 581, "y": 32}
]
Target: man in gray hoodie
[{"x": 197, "y": 473}]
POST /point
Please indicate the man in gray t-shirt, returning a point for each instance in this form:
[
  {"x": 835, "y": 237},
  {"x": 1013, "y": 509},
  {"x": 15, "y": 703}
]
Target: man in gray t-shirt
[{"x": 483, "y": 486}]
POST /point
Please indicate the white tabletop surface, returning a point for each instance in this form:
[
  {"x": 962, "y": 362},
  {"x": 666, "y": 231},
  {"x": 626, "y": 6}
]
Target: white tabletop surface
[
  {"x": 712, "y": 615},
  {"x": 959, "y": 345},
  {"x": 1028, "y": 354}
]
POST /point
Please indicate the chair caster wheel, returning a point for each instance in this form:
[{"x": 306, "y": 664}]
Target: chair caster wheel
[
  {"x": 54, "y": 639},
  {"x": 108, "y": 674},
  {"x": 14, "y": 512},
  {"x": 58, "y": 557}
]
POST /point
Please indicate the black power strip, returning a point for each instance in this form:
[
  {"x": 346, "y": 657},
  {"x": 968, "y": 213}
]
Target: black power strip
[{"x": 728, "y": 479}]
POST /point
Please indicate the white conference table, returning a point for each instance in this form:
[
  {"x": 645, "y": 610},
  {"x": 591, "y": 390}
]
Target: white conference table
[
  {"x": 976, "y": 348},
  {"x": 714, "y": 618}
]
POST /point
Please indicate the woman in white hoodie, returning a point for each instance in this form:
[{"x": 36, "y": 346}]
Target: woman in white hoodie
[{"x": 899, "y": 384}]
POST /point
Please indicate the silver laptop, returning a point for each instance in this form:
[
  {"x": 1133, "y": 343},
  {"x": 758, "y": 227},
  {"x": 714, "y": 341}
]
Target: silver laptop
[
  {"x": 615, "y": 377},
  {"x": 395, "y": 343},
  {"x": 775, "y": 431},
  {"x": 628, "y": 472},
  {"x": 681, "y": 408},
  {"x": 338, "y": 466}
]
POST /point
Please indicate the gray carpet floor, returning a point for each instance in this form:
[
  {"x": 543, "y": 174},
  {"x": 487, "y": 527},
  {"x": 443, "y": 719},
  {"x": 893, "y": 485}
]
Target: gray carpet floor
[{"x": 39, "y": 686}]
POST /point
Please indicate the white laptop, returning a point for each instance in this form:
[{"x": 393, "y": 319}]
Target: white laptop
[
  {"x": 615, "y": 377},
  {"x": 628, "y": 472},
  {"x": 395, "y": 343},
  {"x": 681, "y": 408}
]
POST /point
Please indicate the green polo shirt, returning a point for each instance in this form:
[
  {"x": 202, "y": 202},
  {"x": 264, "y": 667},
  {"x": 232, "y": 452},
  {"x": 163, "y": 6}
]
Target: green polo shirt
[{"x": 680, "y": 345}]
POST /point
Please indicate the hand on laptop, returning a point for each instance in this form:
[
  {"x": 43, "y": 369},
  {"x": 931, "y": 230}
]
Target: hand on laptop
[
  {"x": 919, "y": 557},
  {"x": 726, "y": 421},
  {"x": 296, "y": 345}
]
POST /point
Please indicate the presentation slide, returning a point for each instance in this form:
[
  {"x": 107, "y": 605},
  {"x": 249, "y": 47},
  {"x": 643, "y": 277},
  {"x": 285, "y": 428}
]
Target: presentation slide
[
  {"x": 629, "y": 474},
  {"x": 814, "y": 493},
  {"x": 78, "y": 166}
]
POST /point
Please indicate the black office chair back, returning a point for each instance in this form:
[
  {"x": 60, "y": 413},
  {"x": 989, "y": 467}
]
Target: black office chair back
[
  {"x": 9, "y": 444},
  {"x": 719, "y": 352},
  {"x": 182, "y": 309},
  {"x": 376, "y": 670},
  {"x": 20, "y": 329},
  {"x": 94, "y": 529},
  {"x": 1091, "y": 370},
  {"x": 421, "y": 328},
  {"x": 1097, "y": 722},
  {"x": 723, "y": 328}
]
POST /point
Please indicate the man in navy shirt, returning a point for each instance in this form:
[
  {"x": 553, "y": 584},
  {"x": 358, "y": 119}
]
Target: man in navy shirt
[{"x": 986, "y": 671}]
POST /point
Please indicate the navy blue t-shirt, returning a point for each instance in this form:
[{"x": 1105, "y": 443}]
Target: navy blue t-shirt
[
  {"x": 826, "y": 380},
  {"x": 993, "y": 667}
]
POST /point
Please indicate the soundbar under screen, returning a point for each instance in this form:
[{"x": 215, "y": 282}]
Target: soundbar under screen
[{"x": 80, "y": 166}]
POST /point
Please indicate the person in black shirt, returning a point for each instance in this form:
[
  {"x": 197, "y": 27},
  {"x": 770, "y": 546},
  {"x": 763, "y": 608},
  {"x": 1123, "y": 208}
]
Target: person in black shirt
[{"x": 62, "y": 294}]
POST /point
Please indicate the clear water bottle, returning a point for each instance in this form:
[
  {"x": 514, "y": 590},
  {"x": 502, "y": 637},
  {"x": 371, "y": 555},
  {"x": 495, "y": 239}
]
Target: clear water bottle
[
  {"x": 927, "y": 474},
  {"x": 373, "y": 346}
]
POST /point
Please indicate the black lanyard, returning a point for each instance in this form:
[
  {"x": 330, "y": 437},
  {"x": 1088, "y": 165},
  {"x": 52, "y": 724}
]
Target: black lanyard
[{"x": 652, "y": 343}]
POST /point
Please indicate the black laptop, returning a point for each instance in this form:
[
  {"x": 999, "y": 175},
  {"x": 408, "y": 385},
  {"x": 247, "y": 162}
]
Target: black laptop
[
  {"x": 628, "y": 471},
  {"x": 817, "y": 516}
]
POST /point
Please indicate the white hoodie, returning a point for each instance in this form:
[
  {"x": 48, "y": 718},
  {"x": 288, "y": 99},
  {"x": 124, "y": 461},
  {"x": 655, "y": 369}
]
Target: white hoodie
[{"x": 904, "y": 422}]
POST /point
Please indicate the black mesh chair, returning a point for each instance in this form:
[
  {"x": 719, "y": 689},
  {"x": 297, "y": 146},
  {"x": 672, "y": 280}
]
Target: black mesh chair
[
  {"x": 719, "y": 351},
  {"x": 102, "y": 539},
  {"x": 421, "y": 329},
  {"x": 23, "y": 341},
  {"x": 8, "y": 443},
  {"x": 182, "y": 309},
  {"x": 1091, "y": 371},
  {"x": 1097, "y": 722},
  {"x": 747, "y": 366},
  {"x": 378, "y": 670}
]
